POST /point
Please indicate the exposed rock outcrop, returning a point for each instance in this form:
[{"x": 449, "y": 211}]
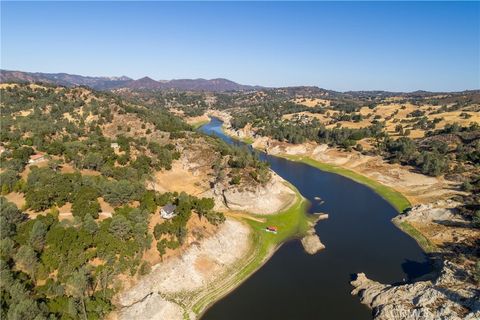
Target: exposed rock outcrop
[
  {"x": 153, "y": 297},
  {"x": 450, "y": 297},
  {"x": 269, "y": 198},
  {"x": 453, "y": 295},
  {"x": 154, "y": 307},
  {"x": 444, "y": 227},
  {"x": 312, "y": 244},
  {"x": 439, "y": 211},
  {"x": 311, "y": 241}
]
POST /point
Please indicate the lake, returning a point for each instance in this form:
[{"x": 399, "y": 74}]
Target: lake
[{"x": 359, "y": 237}]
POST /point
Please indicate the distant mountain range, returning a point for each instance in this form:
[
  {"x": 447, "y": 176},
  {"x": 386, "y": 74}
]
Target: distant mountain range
[
  {"x": 212, "y": 85},
  {"x": 108, "y": 83}
]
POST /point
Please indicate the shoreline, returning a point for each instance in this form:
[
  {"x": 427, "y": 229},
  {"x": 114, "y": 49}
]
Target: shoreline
[
  {"x": 261, "y": 246},
  {"x": 194, "y": 302},
  {"x": 196, "y": 125},
  {"x": 395, "y": 198},
  {"x": 264, "y": 245},
  {"x": 413, "y": 298},
  {"x": 392, "y": 196}
]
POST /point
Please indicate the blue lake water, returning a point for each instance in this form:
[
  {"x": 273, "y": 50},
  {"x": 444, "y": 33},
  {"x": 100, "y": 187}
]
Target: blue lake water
[{"x": 359, "y": 237}]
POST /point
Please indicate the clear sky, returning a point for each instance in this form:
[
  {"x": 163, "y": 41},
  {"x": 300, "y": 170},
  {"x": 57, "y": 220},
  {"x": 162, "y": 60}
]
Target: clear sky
[{"x": 342, "y": 46}]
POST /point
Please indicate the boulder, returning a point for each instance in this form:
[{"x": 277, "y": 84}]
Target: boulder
[
  {"x": 450, "y": 297},
  {"x": 312, "y": 244}
]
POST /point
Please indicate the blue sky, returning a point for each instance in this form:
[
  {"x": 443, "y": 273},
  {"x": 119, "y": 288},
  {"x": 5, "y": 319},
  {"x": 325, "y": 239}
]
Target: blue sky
[{"x": 342, "y": 46}]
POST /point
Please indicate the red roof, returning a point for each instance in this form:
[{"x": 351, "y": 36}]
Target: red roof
[{"x": 36, "y": 156}]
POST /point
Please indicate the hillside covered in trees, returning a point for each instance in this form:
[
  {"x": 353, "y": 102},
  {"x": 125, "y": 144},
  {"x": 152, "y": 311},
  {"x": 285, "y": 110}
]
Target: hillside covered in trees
[
  {"x": 436, "y": 134},
  {"x": 77, "y": 210}
]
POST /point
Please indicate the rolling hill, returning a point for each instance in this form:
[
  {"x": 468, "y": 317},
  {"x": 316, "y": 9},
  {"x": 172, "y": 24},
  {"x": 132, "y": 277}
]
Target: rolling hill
[{"x": 108, "y": 83}]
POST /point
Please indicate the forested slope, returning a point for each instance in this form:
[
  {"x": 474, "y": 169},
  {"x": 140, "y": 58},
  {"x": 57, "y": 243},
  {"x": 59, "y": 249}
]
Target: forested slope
[{"x": 76, "y": 212}]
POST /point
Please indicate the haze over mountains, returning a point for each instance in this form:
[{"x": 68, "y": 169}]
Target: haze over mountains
[
  {"x": 107, "y": 83},
  {"x": 147, "y": 83}
]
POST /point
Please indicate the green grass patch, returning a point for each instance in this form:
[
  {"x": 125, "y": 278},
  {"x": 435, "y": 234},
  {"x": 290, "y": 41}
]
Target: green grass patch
[
  {"x": 247, "y": 140},
  {"x": 395, "y": 198},
  {"x": 291, "y": 222},
  {"x": 197, "y": 125},
  {"x": 423, "y": 242}
]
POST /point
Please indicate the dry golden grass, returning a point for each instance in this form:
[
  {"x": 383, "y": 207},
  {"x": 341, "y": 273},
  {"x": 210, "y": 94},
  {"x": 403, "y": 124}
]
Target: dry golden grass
[
  {"x": 402, "y": 111},
  {"x": 454, "y": 116},
  {"x": 351, "y": 125},
  {"x": 105, "y": 206},
  {"x": 312, "y": 102},
  {"x": 197, "y": 229},
  {"x": 181, "y": 180},
  {"x": 65, "y": 212},
  {"x": 26, "y": 172},
  {"x": 128, "y": 125},
  {"x": 67, "y": 168},
  {"x": 444, "y": 235},
  {"x": 8, "y": 85},
  {"x": 416, "y": 134},
  {"x": 25, "y": 113},
  {"x": 238, "y": 214},
  {"x": 197, "y": 120},
  {"x": 17, "y": 198}
]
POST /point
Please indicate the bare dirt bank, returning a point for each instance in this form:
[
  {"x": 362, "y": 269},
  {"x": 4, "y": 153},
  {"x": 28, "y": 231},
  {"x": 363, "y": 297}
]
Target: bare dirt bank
[
  {"x": 433, "y": 222},
  {"x": 193, "y": 174},
  {"x": 417, "y": 188},
  {"x": 184, "y": 285},
  {"x": 270, "y": 198},
  {"x": 453, "y": 294},
  {"x": 172, "y": 287}
]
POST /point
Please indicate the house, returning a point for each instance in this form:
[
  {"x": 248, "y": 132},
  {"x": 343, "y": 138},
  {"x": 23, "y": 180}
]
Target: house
[
  {"x": 36, "y": 158},
  {"x": 168, "y": 211},
  {"x": 271, "y": 229},
  {"x": 114, "y": 145}
]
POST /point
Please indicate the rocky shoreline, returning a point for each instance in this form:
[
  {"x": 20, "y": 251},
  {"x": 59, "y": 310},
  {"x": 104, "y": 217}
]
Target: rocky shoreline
[
  {"x": 183, "y": 286},
  {"x": 270, "y": 198},
  {"x": 452, "y": 294},
  {"x": 432, "y": 222},
  {"x": 311, "y": 241},
  {"x": 171, "y": 288},
  {"x": 450, "y": 297}
]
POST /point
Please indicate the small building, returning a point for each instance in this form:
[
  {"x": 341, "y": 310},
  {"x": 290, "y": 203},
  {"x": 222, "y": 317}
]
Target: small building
[
  {"x": 114, "y": 145},
  {"x": 36, "y": 158},
  {"x": 271, "y": 229},
  {"x": 168, "y": 211}
]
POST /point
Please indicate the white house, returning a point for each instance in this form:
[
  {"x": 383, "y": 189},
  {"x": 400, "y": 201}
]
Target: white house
[
  {"x": 39, "y": 157},
  {"x": 168, "y": 211}
]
